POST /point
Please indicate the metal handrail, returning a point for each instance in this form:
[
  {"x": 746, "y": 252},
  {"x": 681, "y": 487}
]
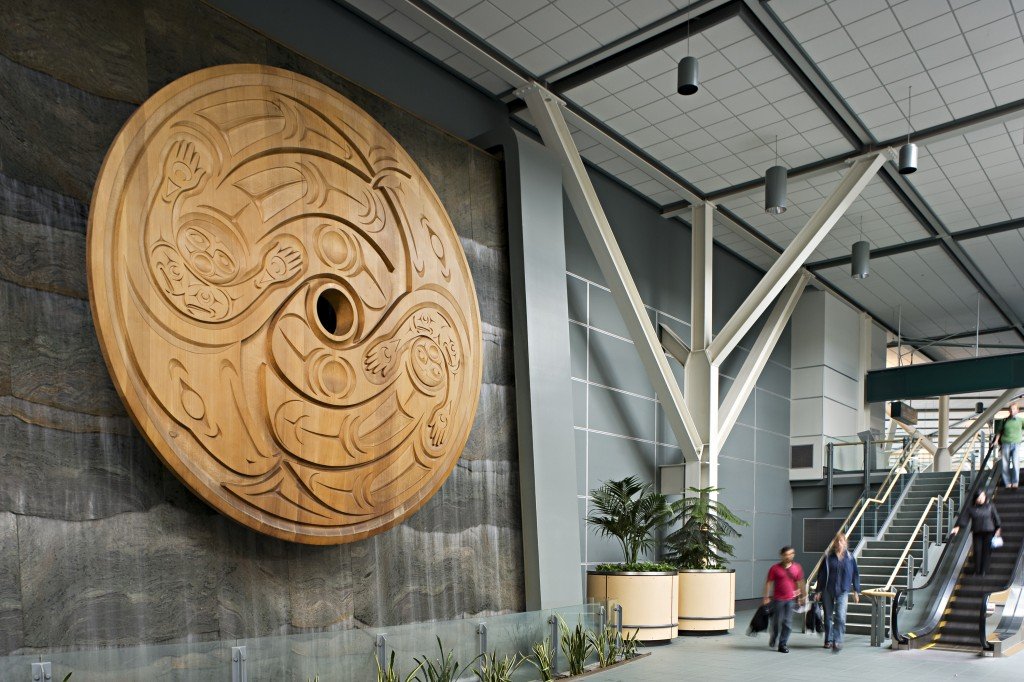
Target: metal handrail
[
  {"x": 956, "y": 548},
  {"x": 921, "y": 522},
  {"x": 859, "y": 508}
]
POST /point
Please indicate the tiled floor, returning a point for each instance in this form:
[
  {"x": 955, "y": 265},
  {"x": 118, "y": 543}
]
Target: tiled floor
[{"x": 738, "y": 657}]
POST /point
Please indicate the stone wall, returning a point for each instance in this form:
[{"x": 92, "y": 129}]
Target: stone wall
[{"x": 99, "y": 543}]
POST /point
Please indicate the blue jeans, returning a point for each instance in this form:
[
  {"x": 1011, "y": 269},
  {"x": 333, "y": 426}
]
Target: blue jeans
[
  {"x": 835, "y": 607},
  {"x": 780, "y": 627},
  {"x": 1011, "y": 463}
]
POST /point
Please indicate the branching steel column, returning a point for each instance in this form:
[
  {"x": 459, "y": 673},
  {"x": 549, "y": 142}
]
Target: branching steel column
[
  {"x": 702, "y": 374},
  {"x": 748, "y": 375},
  {"x": 546, "y": 111},
  {"x": 924, "y": 440},
  {"x": 793, "y": 258},
  {"x": 984, "y": 418}
]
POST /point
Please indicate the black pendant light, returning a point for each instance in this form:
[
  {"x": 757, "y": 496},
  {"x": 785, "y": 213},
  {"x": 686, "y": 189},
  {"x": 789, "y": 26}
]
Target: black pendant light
[
  {"x": 861, "y": 255},
  {"x": 688, "y": 81},
  {"x": 775, "y": 179}
]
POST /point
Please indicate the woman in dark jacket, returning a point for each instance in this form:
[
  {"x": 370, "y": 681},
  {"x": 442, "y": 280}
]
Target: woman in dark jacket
[
  {"x": 985, "y": 523},
  {"x": 837, "y": 578}
]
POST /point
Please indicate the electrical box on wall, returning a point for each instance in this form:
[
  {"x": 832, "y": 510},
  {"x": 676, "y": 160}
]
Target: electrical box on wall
[{"x": 903, "y": 413}]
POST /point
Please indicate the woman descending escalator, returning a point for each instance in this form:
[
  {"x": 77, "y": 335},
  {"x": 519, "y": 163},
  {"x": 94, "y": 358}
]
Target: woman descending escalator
[
  {"x": 985, "y": 525},
  {"x": 838, "y": 577}
]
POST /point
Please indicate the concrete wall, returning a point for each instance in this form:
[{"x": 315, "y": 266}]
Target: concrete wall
[
  {"x": 99, "y": 543},
  {"x": 620, "y": 427}
]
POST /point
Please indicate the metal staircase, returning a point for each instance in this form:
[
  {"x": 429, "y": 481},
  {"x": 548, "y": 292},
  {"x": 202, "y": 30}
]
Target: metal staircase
[{"x": 882, "y": 558}]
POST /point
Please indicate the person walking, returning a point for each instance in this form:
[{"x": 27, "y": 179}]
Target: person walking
[
  {"x": 838, "y": 578},
  {"x": 785, "y": 587},
  {"x": 985, "y": 524},
  {"x": 1008, "y": 435}
]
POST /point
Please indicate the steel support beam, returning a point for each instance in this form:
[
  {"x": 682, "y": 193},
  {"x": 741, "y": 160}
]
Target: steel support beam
[
  {"x": 984, "y": 418},
  {"x": 752, "y": 367},
  {"x": 673, "y": 344},
  {"x": 943, "y": 459},
  {"x": 793, "y": 258},
  {"x": 924, "y": 440},
  {"x": 546, "y": 111}
]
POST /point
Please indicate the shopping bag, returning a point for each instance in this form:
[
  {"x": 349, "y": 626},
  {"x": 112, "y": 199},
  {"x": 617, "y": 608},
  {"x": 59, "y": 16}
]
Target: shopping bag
[{"x": 997, "y": 542}]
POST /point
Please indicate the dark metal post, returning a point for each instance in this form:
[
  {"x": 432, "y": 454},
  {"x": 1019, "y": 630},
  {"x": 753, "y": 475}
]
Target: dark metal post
[
  {"x": 238, "y": 668},
  {"x": 380, "y": 646},
  {"x": 618, "y": 619},
  {"x": 949, "y": 515},
  {"x": 481, "y": 638},
  {"x": 910, "y": 582},
  {"x": 829, "y": 463},
  {"x": 553, "y": 622},
  {"x": 924, "y": 548},
  {"x": 867, "y": 468}
]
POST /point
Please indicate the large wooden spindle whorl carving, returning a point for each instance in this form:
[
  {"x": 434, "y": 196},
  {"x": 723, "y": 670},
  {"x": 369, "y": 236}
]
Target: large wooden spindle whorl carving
[{"x": 283, "y": 304}]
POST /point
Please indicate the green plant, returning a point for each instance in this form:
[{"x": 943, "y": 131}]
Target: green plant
[
  {"x": 630, "y": 644},
  {"x": 608, "y": 645},
  {"x": 389, "y": 673},
  {"x": 576, "y": 646},
  {"x": 638, "y": 567},
  {"x": 444, "y": 669},
  {"x": 67, "y": 677},
  {"x": 705, "y": 524},
  {"x": 544, "y": 654},
  {"x": 493, "y": 670},
  {"x": 628, "y": 511}
]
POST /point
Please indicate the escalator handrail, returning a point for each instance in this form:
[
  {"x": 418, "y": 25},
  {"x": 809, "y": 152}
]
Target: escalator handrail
[
  {"x": 953, "y": 548},
  {"x": 1016, "y": 579}
]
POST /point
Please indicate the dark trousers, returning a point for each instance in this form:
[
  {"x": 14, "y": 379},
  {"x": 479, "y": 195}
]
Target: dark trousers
[
  {"x": 780, "y": 627},
  {"x": 982, "y": 552}
]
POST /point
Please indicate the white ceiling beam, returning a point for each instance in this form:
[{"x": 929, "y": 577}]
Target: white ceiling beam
[
  {"x": 795, "y": 255},
  {"x": 546, "y": 110},
  {"x": 990, "y": 412}
]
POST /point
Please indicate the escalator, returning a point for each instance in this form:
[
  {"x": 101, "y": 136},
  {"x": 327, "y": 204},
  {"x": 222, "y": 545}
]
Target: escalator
[{"x": 950, "y": 610}]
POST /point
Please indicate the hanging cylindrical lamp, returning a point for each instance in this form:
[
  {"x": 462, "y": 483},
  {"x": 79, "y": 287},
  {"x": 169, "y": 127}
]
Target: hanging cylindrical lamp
[
  {"x": 775, "y": 190},
  {"x": 859, "y": 268},
  {"x": 688, "y": 80},
  {"x": 908, "y": 152},
  {"x": 775, "y": 185},
  {"x": 689, "y": 76}
]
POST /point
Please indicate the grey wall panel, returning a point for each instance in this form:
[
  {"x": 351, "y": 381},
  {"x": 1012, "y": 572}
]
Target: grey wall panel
[
  {"x": 741, "y": 443},
  {"x": 745, "y": 587},
  {"x": 772, "y": 449},
  {"x": 772, "y": 533},
  {"x": 738, "y": 479},
  {"x": 620, "y": 413},
  {"x": 579, "y": 404},
  {"x": 603, "y": 313},
  {"x": 772, "y": 411},
  {"x": 578, "y": 350},
  {"x": 576, "y": 289},
  {"x": 580, "y": 444},
  {"x": 774, "y": 378},
  {"x": 615, "y": 362},
  {"x": 612, "y": 458},
  {"x": 772, "y": 492}
]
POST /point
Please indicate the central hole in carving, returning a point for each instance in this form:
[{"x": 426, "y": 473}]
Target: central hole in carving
[{"x": 334, "y": 312}]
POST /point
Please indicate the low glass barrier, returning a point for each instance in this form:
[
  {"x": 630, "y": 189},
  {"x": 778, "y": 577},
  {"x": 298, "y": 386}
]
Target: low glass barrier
[{"x": 349, "y": 654}]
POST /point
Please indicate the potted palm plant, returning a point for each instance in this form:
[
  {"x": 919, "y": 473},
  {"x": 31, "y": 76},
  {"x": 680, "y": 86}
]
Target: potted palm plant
[
  {"x": 630, "y": 511},
  {"x": 700, "y": 548}
]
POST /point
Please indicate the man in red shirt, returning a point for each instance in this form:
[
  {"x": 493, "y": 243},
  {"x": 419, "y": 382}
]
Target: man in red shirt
[{"x": 785, "y": 585}]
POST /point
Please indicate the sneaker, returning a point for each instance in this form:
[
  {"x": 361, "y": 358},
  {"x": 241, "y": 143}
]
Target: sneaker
[
  {"x": 771, "y": 643},
  {"x": 827, "y": 645},
  {"x": 783, "y": 649}
]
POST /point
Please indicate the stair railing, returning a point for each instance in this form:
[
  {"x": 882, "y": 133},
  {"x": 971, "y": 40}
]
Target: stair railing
[
  {"x": 861, "y": 506},
  {"x": 1012, "y": 620},
  {"x": 955, "y": 551},
  {"x": 938, "y": 500}
]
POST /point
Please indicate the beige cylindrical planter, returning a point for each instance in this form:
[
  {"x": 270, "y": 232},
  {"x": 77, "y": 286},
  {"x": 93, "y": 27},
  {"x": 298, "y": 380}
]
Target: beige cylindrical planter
[
  {"x": 649, "y": 601},
  {"x": 707, "y": 600}
]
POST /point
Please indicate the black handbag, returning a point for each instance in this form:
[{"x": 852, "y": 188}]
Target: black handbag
[
  {"x": 759, "y": 623},
  {"x": 815, "y": 619}
]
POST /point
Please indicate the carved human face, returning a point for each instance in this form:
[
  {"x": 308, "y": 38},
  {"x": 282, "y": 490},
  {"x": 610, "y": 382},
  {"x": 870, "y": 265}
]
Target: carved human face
[{"x": 285, "y": 305}]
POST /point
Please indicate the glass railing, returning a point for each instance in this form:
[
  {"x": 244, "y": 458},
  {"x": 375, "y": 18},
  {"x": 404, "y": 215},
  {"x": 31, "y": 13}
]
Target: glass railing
[{"x": 349, "y": 654}]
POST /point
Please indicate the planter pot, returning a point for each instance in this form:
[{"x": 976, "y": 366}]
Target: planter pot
[
  {"x": 707, "y": 600},
  {"x": 649, "y": 601}
]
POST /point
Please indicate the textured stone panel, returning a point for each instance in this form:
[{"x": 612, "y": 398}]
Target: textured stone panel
[
  {"x": 53, "y": 354},
  {"x": 100, "y": 49},
  {"x": 42, "y": 257},
  {"x": 52, "y": 134},
  {"x": 10, "y": 586}
]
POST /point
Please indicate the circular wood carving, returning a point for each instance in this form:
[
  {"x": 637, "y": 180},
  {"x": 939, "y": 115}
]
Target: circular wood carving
[{"x": 283, "y": 304}]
